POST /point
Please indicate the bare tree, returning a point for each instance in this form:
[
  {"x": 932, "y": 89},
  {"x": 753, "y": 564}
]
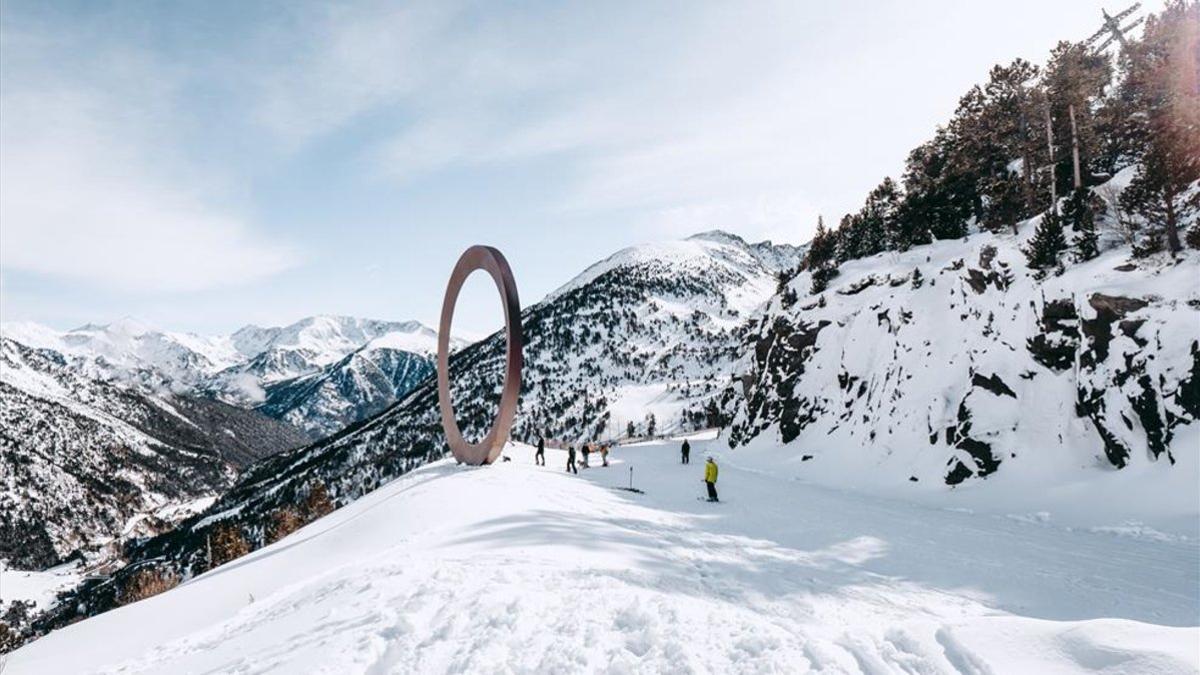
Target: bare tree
[{"x": 1120, "y": 220}]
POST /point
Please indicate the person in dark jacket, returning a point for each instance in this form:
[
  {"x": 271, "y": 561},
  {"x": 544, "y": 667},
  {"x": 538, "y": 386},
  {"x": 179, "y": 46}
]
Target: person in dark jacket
[
  {"x": 539, "y": 457},
  {"x": 685, "y": 452},
  {"x": 587, "y": 450},
  {"x": 571, "y": 459}
]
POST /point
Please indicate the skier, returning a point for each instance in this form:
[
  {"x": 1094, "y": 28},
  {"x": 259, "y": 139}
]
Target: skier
[
  {"x": 571, "y": 459},
  {"x": 587, "y": 449},
  {"x": 539, "y": 457},
  {"x": 604, "y": 454},
  {"x": 710, "y": 479},
  {"x": 686, "y": 452}
]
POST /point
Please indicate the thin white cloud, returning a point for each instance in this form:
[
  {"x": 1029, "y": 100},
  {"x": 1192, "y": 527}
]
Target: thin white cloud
[
  {"x": 749, "y": 114},
  {"x": 92, "y": 188},
  {"x": 321, "y": 65}
]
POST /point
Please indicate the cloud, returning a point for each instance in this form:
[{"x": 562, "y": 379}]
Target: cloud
[
  {"x": 752, "y": 114},
  {"x": 92, "y": 187},
  {"x": 320, "y": 66},
  {"x": 663, "y": 126}
]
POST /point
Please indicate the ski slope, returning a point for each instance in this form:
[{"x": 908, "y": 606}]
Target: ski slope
[{"x": 518, "y": 568}]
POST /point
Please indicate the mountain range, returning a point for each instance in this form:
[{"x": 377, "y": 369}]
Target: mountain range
[{"x": 117, "y": 431}]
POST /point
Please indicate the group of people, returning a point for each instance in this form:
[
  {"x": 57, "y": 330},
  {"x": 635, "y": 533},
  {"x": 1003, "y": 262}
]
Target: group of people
[
  {"x": 586, "y": 450},
  {"x": 710, "y": 466}
]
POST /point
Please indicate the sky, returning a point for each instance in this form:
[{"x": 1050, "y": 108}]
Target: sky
[{"x": 202, "y": 166}]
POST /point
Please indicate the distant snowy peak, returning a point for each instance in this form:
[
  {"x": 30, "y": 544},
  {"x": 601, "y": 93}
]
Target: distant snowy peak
[
  {"x": 282, "y": 351},
  {"x": 331, "y": 337},
  {"x": 244, "y": 367},
  {"x": 132, "y": 345},
  {"x": 725, "y": 258}
]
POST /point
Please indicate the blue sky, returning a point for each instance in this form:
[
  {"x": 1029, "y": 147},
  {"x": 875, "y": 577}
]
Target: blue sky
[{"x": 207, "y": 165}]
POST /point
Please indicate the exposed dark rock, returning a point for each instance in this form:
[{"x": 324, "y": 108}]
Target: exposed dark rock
[
  {"x": 985, "y": 461},
  {"x": 859, "y": 286},
  {"x": 1056, "y": 345},
  {"x": 993, "y": 384},
  {"x": 1188, "y": 394},
  {"x": 1109, "y": 309}
]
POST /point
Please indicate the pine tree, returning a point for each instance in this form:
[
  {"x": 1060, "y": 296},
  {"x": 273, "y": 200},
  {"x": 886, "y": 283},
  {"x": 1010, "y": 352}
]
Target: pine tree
[
  {"x": 1006, "y": 204},
  {"x": 651, "y": 422},
  {"x": 882, "y": 210},
  {"x": 1080, "y": 215},
  {"x": 849, "y": 239},
  {"x": 821, "y": 278},
  {"x": 822, "y": 256},
  {"x": 940, "y": 198},
  {"x": 1047, "y": 243},
  {"x": 1193, "y": 237},
  {"x": 1166, "y": 126},
  {"x": 996, "y": 144},
  {"x": 630, "y": 430},
  {"x": 1075, "y": 79}
]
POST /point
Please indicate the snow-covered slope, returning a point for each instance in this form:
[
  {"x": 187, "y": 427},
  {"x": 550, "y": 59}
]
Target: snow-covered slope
[
  {"x": 84, "y": 462},
  {"x": 951, "y": 362},
  {"x": 517, "y": 568}
]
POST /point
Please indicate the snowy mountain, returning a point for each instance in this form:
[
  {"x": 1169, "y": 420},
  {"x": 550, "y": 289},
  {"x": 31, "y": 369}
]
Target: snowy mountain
[
  {"x": 130, "y": 351},
  {"x": 85, "y": 463},
  {"x": 527, "y": 569},
  {"x": 302, "y": 348},
  {"x": 358, "y": 386},
  {"x": 254, "y": 366}
]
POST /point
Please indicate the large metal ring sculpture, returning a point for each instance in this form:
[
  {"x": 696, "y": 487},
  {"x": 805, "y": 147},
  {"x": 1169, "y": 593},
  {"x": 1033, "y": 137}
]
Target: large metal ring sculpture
[{"x": 492, "y": 261}]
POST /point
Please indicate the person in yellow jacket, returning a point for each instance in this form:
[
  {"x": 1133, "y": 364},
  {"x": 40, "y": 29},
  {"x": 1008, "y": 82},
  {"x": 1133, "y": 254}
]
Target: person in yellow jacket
[{"x": 710, "y": 479}]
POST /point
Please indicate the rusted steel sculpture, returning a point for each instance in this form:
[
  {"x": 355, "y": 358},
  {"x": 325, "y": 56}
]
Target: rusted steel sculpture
[{"x": 492, "y": 261}]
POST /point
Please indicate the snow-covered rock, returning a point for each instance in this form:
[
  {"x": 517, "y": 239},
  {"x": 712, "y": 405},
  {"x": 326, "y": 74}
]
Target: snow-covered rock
[{"x": 952, "y": 361}]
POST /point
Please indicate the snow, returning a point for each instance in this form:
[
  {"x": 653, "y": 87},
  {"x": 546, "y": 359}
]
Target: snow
[
  {"x": 517, "y": 568},
  {"x": 417, "y": 342},
  {"x": 37, "y": 587}
]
